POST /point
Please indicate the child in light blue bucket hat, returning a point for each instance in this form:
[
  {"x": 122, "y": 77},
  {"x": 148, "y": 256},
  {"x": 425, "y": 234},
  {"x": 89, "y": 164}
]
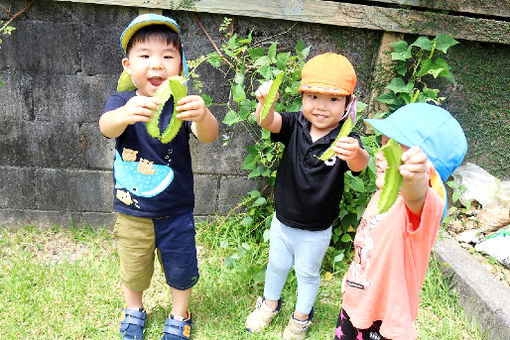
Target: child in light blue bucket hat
[
  {"x": 382, "y": 285},
  {"x": 153, "y": 178}
]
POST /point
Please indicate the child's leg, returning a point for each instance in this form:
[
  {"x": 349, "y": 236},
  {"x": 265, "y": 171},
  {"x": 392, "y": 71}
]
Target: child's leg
[
  {"x": 281, "y": 259},
  {"x": 180, "y": 302},
  {"x": 310, "y": 248},
  {"x": 133, "y": 297}
]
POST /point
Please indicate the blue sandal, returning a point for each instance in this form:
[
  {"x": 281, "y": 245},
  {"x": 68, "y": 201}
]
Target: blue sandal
[
  {"x": 132, "y": 325},
  {"x": 176, "y": 329}
]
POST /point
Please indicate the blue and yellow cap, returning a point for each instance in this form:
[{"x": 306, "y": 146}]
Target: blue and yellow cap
[
  {"x": 125, "y": 83},
  {"x": 435, "y": 131}
]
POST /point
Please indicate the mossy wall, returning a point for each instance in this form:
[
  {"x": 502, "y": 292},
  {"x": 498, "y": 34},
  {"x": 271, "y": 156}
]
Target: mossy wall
[{"x": 480, "y": 101}]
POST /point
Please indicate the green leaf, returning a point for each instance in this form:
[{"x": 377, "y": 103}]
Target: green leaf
[
  {"x": 232, "y": 42},
  {"x": 401, "y": 68},
  {"x": 265, "y": 71},
  {"x": 281, "y": 60},
  {"x": 259, "y": 201},
  {"x": 346, "y": 238},
  {"x": 256, "y": 53},
  {"x": 247, "y": 221},
  {"x": 397, "y": 85},
  {"x": 399, "y": 46},
  {"x": 271, "y": 52},
  {"x": 250, "y": 162},
  {"x": 425, "y": 67},
  {"x": 357, "y": 184},
  {"x": 207, "y": 99},
  {"x": 424, "y": 43},
  {"x": 338, "y": 258},
  {"x": 388, "y": 98},
  {"x": 444, "y": 42},
  {"x": 238, "y": 93},
  {"x": 239, "y": 78},
  {"x": 360, "y": 106},
  {"x": 214, "y": 59},
  {"x": 266, "y": 235},
  {"x": 231, "y": 118},
  {"x": 264, "y": 60}
]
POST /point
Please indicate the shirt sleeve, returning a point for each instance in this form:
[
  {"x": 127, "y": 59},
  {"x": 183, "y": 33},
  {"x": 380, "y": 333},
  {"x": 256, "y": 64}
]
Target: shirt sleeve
[{"x": 288, "y": 121}]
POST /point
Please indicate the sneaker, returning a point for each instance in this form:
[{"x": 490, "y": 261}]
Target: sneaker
[
  {"x": 261, "y": 316},
  {"x": 177, "y": 329},
  {"x": 296, "y": 329},
  {"x": 131, "y": 327}
]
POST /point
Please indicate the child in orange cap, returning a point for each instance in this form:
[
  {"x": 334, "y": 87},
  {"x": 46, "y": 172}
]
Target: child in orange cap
[{"x": 307, "y": 190}]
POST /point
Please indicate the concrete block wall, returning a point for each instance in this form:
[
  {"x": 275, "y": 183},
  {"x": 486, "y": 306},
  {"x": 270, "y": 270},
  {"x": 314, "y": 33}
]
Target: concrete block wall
[
  {"x": 58, "y": 68},
  {"x": 63, "y": 60}
]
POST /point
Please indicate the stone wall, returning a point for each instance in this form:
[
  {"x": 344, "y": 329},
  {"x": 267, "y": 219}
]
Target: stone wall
[{"x": 63, "y": 60}]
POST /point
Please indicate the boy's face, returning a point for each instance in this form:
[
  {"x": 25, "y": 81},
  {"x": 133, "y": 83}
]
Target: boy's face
[
  {"x": 150, "y": 63},
  {"x": 323, "y": 111},
  {"x": 380, "y": 163}
]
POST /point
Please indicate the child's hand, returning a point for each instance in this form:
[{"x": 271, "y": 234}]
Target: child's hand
[
  {"x": 138, "y": 109},
  {"x": 415, "y": 165},
  {"x": 347, "y": 148},
  {"x": 191, "y": 108},
  {"x": 263, "y": 90}
]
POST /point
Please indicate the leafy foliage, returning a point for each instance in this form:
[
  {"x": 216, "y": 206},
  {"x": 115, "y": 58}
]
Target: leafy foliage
[{"x": 415, "y": 63}]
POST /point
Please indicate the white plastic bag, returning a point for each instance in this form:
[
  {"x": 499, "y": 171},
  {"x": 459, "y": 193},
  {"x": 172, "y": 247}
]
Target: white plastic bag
[
  {"x": 482, "y": 186},
  {"x": 497, "y": 246}
]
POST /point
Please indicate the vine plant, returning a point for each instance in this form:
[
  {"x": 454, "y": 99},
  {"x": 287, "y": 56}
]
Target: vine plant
[{"x": 247, "y": 64}]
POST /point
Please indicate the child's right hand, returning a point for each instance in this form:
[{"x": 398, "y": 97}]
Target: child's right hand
[{"x": 138, "y": 109}]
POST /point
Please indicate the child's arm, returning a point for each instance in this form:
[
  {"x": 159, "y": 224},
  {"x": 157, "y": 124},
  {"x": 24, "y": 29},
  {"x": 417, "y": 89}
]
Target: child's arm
[
  {"x": 273, "y": 121},
  {"x": 349, "y": 150},
  {"x": 138, "y": 109},
  {"x": 204, "y": 126},
  {"x": 416, "y": 180}
]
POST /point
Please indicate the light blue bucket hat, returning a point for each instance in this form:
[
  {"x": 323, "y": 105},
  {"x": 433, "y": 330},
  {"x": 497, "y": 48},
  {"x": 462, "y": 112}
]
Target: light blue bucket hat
[
  {"x": 125, "y": 82},
  {"x": 435, "y": 131}
]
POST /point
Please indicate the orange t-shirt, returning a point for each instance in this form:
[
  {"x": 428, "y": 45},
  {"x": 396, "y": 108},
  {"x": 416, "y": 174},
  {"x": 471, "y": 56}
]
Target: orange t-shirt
[{"x": 391, "y": 257}]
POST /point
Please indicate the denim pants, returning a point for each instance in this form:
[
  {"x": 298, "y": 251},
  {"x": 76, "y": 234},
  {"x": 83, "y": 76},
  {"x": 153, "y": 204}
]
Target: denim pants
[{"x": 302, "y": 249}]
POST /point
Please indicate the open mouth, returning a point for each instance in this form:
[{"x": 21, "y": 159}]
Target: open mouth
[{"x": 155, "y": 81}]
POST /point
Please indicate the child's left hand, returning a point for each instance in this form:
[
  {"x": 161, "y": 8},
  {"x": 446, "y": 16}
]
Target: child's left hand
[
  {"x": 191, "y": 108},
  {"x": 347, "y": 148}
]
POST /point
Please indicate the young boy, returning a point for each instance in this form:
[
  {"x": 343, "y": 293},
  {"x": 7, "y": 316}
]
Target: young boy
[
  {"x": 308, "y": 191},
  {"x": 153, "y": 193},
  {"x": 381, "y": 288}
]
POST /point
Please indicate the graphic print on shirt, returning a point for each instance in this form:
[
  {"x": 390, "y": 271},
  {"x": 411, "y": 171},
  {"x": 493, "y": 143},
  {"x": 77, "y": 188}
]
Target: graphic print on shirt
[
  {"x": 142, "y": 178},
  {"x": 363, "y": 246}
]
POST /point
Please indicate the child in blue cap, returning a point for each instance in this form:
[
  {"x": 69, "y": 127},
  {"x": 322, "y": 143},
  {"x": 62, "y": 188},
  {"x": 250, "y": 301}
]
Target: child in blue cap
[
  {"x": 153, "y": 181},
  {"x": 382, "y": 285}
]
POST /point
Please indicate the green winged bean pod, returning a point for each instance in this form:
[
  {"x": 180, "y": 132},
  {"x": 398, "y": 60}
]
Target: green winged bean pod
[
  {"x": 392, "y": 177},
  {"x": 271, "y": 95},
  {"x": 344, "y": 132},
  {"x": 171, "y": 86}
]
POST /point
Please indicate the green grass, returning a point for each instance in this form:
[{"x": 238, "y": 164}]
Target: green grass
[{"x": 62, "y": 283}]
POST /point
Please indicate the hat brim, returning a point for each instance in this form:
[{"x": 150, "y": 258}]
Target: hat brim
[
  {"x": 389, "y": 130},
  {"x": 324, "y": 90}
]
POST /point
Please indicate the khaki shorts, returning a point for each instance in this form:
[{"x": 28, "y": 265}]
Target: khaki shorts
[{"x": 174, "y": 240}]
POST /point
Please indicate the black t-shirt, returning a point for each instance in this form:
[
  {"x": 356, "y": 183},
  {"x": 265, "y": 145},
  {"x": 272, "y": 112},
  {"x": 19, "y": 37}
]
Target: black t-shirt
[
  {"x": 307, "y": 190},
  {"x": 151, "y": 179}
]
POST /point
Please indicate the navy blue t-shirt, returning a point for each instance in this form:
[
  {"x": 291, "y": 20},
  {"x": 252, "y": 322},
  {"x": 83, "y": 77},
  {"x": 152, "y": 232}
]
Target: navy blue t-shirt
[
  {"x": 307, "y": 190},
  {"x": 151, "y": 179}
]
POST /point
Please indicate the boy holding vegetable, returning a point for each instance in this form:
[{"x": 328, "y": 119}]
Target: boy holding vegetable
[
  {"x": 153, "y": 180},
  {"x": 307, "y": 190},
  {"x": 382, "y": 285}
]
